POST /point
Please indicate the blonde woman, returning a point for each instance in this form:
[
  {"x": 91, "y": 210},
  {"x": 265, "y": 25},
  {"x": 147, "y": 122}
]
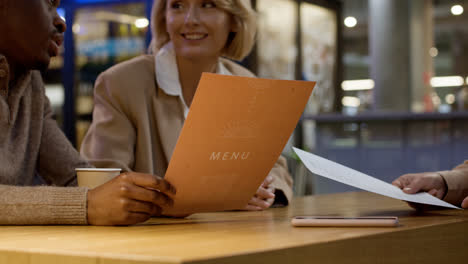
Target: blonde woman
[{"x": 141, "y": 104}]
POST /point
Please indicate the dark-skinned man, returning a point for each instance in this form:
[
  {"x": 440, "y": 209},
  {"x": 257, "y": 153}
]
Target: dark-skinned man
[{"x": 32, "y": 144}]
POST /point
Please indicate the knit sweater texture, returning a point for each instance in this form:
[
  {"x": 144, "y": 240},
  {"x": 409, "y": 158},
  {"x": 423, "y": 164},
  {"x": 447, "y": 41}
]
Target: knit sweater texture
[{"x": 33, "y": 147}]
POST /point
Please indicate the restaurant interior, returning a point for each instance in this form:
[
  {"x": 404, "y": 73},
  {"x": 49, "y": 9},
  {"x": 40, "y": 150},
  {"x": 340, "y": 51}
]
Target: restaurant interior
[{"x": 371, "y": 109}]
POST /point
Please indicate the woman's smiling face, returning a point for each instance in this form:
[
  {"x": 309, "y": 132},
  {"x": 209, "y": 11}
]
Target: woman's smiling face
[{"x": 197, "y": 28}]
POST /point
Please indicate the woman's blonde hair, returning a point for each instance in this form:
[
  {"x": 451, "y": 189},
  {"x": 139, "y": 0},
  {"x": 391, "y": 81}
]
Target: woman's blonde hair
[{"x": 239, "y": 43}]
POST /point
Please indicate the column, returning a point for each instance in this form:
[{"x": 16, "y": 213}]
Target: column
[
  {"x": 422, "y": 40},
  {"x": 389, "y": 50},
  {"x": 400, "y": 36}
]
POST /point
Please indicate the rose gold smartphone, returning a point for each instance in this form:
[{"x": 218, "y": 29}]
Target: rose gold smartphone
[{"x": 371, "y": 221}]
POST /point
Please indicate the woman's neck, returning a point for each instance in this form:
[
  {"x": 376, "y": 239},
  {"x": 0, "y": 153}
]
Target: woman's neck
[{"x": 190, "y": 72}]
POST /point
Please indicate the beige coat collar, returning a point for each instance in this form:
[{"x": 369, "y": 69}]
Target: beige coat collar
[{"x": 167, "y": 74}]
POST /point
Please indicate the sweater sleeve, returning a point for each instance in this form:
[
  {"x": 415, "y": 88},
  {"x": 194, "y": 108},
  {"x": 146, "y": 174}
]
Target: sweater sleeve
[
  {"x": 457, "y": 183},
  {"x": 282, "y": 182},
  {"x": 56, "y": 163},
  {"x": 42, "y": 205}
]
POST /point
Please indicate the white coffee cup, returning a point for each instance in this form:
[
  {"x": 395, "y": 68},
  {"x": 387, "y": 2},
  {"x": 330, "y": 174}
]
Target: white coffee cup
[{"x": 93, "y": 177}]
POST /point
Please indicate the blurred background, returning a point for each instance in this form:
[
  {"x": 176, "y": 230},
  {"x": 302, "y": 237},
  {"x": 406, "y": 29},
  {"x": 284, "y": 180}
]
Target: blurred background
[{"x": 392, "y": 76}]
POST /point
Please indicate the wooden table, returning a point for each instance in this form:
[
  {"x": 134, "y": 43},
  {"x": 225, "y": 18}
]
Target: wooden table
[{"x": 253, "y": 237}]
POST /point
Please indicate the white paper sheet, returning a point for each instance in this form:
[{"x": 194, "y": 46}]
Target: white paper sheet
[{"x": 340, "y": 173}]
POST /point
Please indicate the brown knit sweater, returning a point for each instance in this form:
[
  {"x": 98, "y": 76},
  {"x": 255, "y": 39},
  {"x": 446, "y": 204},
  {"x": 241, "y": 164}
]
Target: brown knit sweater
[{"x": 32, "y": 145}]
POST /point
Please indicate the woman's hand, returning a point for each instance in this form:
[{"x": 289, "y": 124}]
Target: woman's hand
[
  {"x": 128, "y": 199},
  {"x": 264, "y": 197},
  {"x": 431, "y": 182}
]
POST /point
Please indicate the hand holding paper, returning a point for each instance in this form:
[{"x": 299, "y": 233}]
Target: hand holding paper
[
  {"x": 430, "y": 182},
  {"x": 340, "y": 173}
]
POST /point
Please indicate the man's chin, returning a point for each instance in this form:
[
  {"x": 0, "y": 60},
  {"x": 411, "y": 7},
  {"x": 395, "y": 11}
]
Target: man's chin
[{"x": 42, "y": 65}]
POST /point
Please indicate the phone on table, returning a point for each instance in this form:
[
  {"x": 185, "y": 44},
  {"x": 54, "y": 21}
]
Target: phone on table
[{"x": 366, "y": 221}]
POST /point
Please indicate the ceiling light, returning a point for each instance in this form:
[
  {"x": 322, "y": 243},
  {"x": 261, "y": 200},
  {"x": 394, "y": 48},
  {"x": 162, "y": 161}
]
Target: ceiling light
[
  {"x": 447, "y": 81},
  {"x": 355, "y": 85},
  {"x": 141, "y": 23},
  {"x": 456, "y": 10},
  {"x": 350, "y": 22}
]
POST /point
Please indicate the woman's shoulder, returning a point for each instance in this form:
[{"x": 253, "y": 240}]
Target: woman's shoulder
[
  {"x": 236, "y": 69},
  {"x": 134, "y": 78},
  {"x": 135, "y": 67}
]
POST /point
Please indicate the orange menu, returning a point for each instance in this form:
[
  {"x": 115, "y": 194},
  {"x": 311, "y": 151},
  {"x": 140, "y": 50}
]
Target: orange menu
[{"x": 233, "y": 135}]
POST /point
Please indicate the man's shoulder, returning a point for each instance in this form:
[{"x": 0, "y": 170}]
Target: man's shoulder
[{"x": 236, "y": 69}]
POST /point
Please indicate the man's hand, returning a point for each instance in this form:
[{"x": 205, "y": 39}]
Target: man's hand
[
  {"x": 128, "y": 199},
  {"x": 431, "y": 182},
  {"x": 264, "y": 197}
]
